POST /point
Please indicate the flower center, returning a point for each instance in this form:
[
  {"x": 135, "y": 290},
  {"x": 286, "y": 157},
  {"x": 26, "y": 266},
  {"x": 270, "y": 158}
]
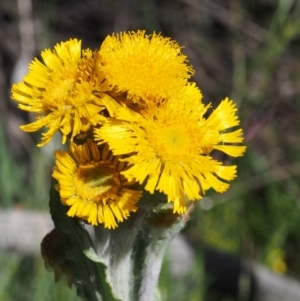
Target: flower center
[
  {"x": 58, "y": 91},
  {"x": 171, "y": 142},
  {"x": 97, "y": 181}
]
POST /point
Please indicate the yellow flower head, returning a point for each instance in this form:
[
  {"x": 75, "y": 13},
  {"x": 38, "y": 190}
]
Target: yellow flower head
[
  {"x": 147, "y": 67},
  {"x": 89, "y": 181},
  {"x": 169, "y": 146},
  {"x": 61, "y": 91}
]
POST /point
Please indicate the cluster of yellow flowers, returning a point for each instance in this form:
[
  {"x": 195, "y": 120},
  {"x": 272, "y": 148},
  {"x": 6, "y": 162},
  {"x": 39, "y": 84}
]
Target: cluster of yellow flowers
[{"x": 133, "y": 122}]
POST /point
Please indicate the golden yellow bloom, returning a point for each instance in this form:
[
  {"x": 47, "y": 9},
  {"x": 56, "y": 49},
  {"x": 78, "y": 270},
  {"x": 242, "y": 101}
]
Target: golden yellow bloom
[
  {"x": 169, "y": 146},
  {"x": 147, "y": 67},
  {"x": 276, "y": 261},
  {"x": 64, "y": 91},
  {"x": 90, "y": 182}
]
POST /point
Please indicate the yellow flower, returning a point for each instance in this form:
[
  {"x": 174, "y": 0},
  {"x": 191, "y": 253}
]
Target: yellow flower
[
  {"x": 61, "y": 91},
  {"x": 147, "y": 67},
  {"x": 276, "y": 260},
  {"x": 90, "y": 182},
  {"x": 169, "y": 146}
]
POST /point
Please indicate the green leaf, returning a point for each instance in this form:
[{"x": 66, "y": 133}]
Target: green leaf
[{"x": 88, "y": 270}]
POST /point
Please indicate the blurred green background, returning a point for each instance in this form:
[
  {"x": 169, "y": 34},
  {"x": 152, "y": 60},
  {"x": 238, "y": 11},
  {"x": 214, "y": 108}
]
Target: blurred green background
[{"x": 248, "y": 50}]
